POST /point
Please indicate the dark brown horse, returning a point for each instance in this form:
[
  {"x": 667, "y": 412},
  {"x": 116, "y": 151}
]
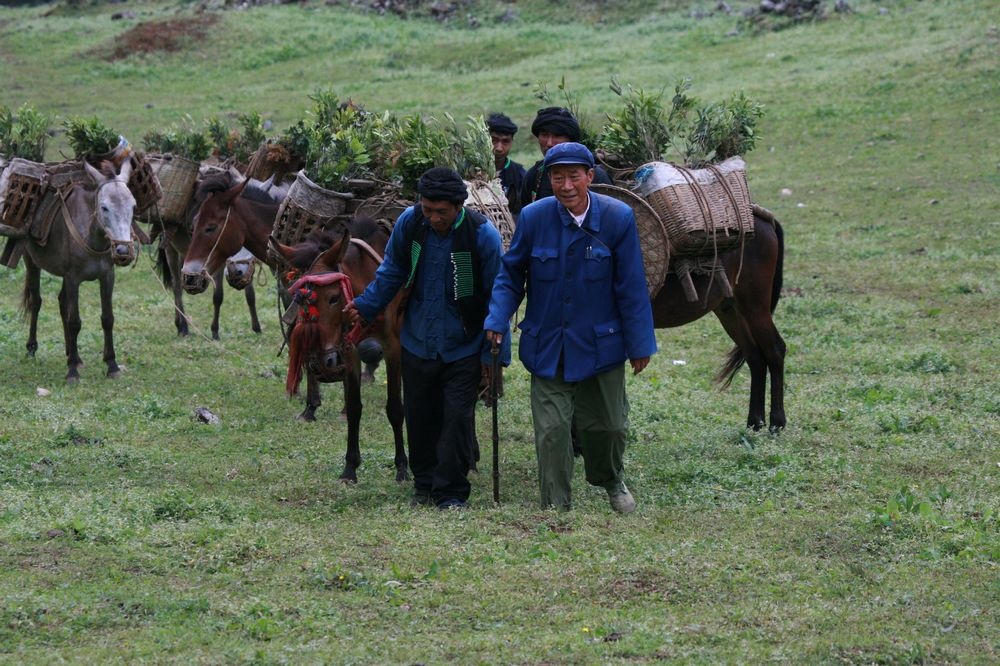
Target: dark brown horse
[
  {"x": 91, "y": 233},
  {"x": 746, "y": 316},
  {"x": 175, "y": 239},
  {"x": 233, "y": 214},
  {"x": 332, "y": 268}
]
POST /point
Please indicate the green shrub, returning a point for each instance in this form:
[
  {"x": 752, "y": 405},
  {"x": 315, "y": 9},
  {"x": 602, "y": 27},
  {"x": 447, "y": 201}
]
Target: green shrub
[{"x": 25, "y": 134}]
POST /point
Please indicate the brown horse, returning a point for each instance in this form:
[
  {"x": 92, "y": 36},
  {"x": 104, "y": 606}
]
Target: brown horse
[
  {"x": 91, "y": 233},
  {"x": 756, "y": 283},
  {"x": 233, "y": 214},
  {"x": 332, "y": 268},
  {"x": 238, "y": 271}
]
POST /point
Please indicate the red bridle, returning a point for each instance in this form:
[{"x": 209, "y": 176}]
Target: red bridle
[{"x": 303, "y": 291}]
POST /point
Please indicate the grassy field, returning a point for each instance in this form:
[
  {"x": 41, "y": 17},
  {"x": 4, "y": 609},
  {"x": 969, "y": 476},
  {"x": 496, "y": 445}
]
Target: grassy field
[{"x": 868, "y": 532}]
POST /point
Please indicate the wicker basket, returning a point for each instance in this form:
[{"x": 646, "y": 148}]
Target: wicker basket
[
  {"x": 307, "y": 207},
  {"x": 22, "y": 184},
  {"x": 653, "y": 239},
  {"x": 143, "y": 184},
  {"x": 177, "y": 176},
  {"x": 488, "y": 198},
  {"x": 704, "y": 211}
]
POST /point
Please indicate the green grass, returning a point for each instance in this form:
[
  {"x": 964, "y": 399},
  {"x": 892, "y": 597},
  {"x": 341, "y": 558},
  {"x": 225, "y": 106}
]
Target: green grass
[{"x": 867, "y": 532}]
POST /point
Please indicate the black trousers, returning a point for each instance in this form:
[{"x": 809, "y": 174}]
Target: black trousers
[{"x": 440, "y": 406}]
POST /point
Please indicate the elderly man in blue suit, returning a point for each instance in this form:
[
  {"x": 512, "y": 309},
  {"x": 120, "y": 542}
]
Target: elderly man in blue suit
[{"x": 576, "y": 258}]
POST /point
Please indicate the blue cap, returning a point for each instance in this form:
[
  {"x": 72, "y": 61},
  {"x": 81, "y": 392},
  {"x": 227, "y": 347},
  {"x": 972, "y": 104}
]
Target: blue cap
[{"x": 569, "y": 153}]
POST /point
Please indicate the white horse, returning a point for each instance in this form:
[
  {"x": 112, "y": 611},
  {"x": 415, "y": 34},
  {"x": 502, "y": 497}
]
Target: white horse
[{"x": 90, "y": 234}]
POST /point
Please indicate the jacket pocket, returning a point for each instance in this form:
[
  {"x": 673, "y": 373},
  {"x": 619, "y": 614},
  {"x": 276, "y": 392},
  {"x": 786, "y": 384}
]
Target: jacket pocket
[
  {"x": 597, "y": 263},
  {"x": 609, "y": 343},
  {"x": 527, "y": 346},
  {"x": 544, "y": 263}
]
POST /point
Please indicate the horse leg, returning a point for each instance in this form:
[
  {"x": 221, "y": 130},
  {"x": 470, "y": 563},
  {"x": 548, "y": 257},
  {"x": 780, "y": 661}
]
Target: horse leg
[
  {"x": 174, "y": 264},
  {"x": 107, "y": 282},
  {"x": 737, "y": 328},
  {"x": 772, "y": 346},
  {"x": 32, "y": 299},
  {"x": 251, "y": 297},
  {"x": 69, "y": 311},
  {"x": 217, "y": 297},
  {"x": 352, "y": 398},
  {"x": 394, "y": 412},
  {"x": 313, "y": 398}
]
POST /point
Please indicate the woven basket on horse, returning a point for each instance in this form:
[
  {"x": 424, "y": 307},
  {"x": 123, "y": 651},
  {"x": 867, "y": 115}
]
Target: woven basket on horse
[
  {"x": 272, "y": 159},
  {"x": 143, "y": 184},
  {"x": 704, "y": 211},
  {"x": 177, "y": 176},
  {"x": 487, "y": 197},
  {"x": 653, "y": 239},
  {"x": 381, "y": 202},
  {"x": 307, "y": 207},
  {"x": 22, "y": 184}
]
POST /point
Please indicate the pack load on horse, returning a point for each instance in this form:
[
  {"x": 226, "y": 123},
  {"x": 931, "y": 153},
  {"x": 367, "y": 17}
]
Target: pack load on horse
[{"x": 706, "y": 247}]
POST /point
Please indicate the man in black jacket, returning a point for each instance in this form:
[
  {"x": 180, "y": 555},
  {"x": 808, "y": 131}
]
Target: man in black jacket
[
  {"x": 502, "y": 130},
  {"x": 553, "y": 125}
]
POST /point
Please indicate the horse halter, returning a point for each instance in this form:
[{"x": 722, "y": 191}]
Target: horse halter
[
  {"x": 96, "y": 219},
  {"x": 303, "y": 292}
]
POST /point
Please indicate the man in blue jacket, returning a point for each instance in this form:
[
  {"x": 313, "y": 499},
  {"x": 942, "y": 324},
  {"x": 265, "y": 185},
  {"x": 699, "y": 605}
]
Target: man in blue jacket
[
  {"x": 447, "y": 256},
  {"x": 576, "y": 257}
]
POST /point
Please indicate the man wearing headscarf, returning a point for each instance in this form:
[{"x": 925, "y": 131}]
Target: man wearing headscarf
[
  {"x": 553, "y": 125},
  {"x": 575, "y": 256},
  {"x": 502, "y": 130},
  {"x": 445, "y": 257}
]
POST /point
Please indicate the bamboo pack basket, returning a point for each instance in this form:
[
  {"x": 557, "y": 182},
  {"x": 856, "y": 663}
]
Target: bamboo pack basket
[
  {"x": 307, "y": 207},
  {"x": 177, "y": 176},
  {"x": 704, "y": 211},
  {"x": 487, "y": 197},
  {"x": 22, "y": 184},
  {"x": 143, "y": 184},
  {"x": 653, "y": 240}
]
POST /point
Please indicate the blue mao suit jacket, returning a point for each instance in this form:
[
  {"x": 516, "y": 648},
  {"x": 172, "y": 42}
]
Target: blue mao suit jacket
[{"x": 588, "y": 306}]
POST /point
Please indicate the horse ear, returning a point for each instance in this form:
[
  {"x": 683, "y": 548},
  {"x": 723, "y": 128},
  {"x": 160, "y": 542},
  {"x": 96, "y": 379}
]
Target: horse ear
[
  {"x": 95, "y": 175},
  {"x": 126, "y": 171},
  {"x": 285, "y": 251},
  {"x": 230, "y": 195},
  {"x": 235, "y": 174},
  {"x": 335, "y": 255}
]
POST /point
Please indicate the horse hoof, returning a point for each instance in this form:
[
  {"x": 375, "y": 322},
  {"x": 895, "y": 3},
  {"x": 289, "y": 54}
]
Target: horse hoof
[
  {"x": 73, "y": 380},
  {"x": 348, "y": 481},
  {"x": 402, "y": 477},
  {"x": 255, "y": 329},
  {"x": 114, "y": 374},
  {"x": 306, "y": 417}
]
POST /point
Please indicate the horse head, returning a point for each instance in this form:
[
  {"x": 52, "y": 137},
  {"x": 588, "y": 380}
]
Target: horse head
[
  {"x": 113, "y": 209},
  {"x": 322, "y": 290},
  {"x": 215, "y": 236}
]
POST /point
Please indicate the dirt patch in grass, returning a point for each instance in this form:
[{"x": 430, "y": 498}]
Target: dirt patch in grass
[{"x": 160, "y": 36}]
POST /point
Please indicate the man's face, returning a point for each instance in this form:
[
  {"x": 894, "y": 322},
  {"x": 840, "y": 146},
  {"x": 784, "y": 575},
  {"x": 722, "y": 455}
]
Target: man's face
[
  {"x": 501, "y": 146},
  {"x": 547, "y": 139},
  {"x": 441, "y": 214},
  {"x": 569, "y": 184}
]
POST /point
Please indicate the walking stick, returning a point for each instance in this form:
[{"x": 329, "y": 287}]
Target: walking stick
[{"x": 494, "y": 391}]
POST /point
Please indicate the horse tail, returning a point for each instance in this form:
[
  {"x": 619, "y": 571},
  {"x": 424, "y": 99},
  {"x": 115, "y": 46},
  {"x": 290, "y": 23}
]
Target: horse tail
[
  {"x": 735, "y": 358},
  {"x": 734, "y": 361},
  {"x": 778, "y": 267},
  {"x": 163, "y": 267}
]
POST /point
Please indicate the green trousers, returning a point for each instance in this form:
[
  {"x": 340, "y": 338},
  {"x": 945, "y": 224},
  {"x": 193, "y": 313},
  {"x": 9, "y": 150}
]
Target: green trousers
[{"x": 600, "y": 408}]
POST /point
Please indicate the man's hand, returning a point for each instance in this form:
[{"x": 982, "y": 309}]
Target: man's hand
[
  {"x": 352, "y": 313},
  {"x": 494, "y": 337},
  {"x": 639, "y": 364}
]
